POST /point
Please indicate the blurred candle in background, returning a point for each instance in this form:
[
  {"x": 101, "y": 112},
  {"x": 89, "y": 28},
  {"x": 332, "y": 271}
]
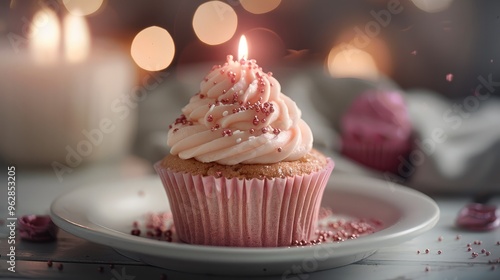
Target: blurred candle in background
[
  {"x": 45, "y": 36},
  {"x": 76, "y": 38},
  {"x": 65, "y": 100}
]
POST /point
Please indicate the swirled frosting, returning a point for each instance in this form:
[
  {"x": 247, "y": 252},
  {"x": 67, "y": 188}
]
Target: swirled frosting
[{"x": 240, "y": 115}]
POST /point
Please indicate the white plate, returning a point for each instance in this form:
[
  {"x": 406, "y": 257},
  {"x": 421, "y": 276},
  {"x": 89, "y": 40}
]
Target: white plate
[{"x": 104, "y": 214}]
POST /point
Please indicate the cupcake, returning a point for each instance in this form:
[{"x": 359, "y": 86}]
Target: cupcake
[
  {"x": 241, "y": 169},
  {"x": 376, "y": 130}
]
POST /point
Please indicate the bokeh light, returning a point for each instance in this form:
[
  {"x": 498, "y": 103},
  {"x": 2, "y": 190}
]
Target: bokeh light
[
  {"x": 215, "y": 22},
  {"x": 45, "y": 36},
  {"x": 82, "y": 7},
  {"x": 260, "y": 6},
  {"x": 350, "y": 62},
  {"x": 76, "y": 38},
  {"x": 153, "y": 48},
  {"x": 432, "y": 6}
]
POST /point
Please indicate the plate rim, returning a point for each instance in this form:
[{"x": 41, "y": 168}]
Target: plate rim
[{"x": 119, "y": 240}]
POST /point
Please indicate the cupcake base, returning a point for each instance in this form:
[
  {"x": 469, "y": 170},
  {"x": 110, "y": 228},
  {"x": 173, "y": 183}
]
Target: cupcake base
[{"x": 267, "y": 212}]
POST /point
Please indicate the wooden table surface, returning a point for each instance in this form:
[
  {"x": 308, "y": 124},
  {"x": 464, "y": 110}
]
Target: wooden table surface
[{"x": 85, "y": 260}]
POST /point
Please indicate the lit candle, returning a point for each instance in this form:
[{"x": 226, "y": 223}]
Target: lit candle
[
  {"x": 56, "y": 94},
  {"x": 77, "y": 38},
  {"x": 45, "y": 36},
  {"x": 243, "y": 48}
]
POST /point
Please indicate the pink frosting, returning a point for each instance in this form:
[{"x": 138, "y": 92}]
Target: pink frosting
[
  {"x": 240, "y": 116},
  {"x": 377, "y": 117}
]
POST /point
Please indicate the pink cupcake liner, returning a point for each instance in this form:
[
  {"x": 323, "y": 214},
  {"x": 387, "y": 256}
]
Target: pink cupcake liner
[
  {"x": 379, "y": 156},
  {"x": 244, "y": 212}
]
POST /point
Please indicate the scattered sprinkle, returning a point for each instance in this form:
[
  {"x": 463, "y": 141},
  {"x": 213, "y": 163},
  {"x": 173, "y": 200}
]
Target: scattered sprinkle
[
  {"x": 49, "y": 263},
  {"x": 440, "y": 252},
  {"x": 449, "y": 77},
  {"x": 440, "y": 238},
  {"x": 427, "y": 269},
  {"x": 427, "y": 251},
  {"x": 60, "y": 266}
]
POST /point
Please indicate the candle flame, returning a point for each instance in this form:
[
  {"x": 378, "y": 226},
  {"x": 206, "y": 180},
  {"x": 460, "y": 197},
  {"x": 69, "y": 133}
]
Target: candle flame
[
  {"x": 76, "y": 38},
  {"x": 243, "y": 48},
  {"x": 45, "y": 36}
]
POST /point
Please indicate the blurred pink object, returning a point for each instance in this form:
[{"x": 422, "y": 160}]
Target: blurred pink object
[
  {"x": 376, "y": 130},
  {"x": 37, "y": 228}
]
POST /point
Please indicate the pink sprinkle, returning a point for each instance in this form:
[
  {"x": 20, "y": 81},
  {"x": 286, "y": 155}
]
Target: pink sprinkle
[
  {"x": 427, "y": 269},
  {"x": 49, "y": 263},
  {"x": 427, "y": 251},
  {"x": 487, "y": 253},
  {"x": 474, "y": 254},
  {"x": 440, "y": 238},
  {"x": 440, "y": 252},
  {"x": 483, "y": 251},
  {"x": 60, "y": 266},
  {"x": 449, "y": 77},
  {"x": 458, "y": 237},
  {"x": 468, "y": 244},
  {"x": 498, "y": 243},
  {"x": 418, "y": 251},
  {"x": 469, "y": 249}
]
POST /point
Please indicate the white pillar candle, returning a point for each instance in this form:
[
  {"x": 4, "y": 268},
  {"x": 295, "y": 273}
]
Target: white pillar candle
[{"x": 65, "y": 108}]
